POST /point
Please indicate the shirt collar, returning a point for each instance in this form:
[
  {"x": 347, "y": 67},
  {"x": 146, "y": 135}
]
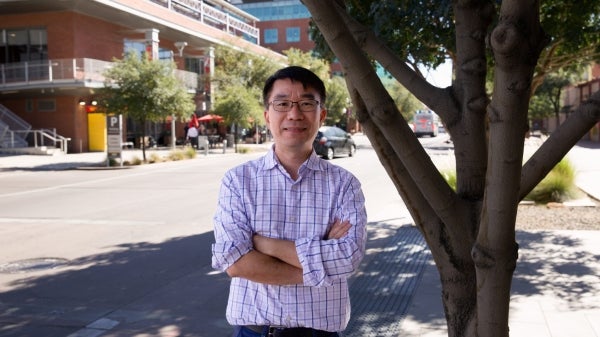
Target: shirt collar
[{"x": 313, "y": 162}]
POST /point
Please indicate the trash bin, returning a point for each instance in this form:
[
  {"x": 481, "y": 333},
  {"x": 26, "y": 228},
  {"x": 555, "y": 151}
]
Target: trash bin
[{"x": 229, "y": 138}]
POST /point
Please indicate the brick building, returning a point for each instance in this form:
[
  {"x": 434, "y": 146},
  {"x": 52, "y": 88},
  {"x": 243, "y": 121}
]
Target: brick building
[{"x": 53, "y": 55}]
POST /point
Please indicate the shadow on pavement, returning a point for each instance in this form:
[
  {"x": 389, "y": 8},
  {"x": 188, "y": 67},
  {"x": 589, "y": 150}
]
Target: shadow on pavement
[
  {"x": 169, "y": 288},
  {"x": 142, "y": 287},
  {"x": 557, "y": 263}
]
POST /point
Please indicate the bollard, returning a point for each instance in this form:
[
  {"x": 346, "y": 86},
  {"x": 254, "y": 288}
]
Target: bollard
[{"x": 224, "y": 145}]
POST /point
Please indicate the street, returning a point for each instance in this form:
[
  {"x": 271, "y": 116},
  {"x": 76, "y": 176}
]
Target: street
[
  {"x": 80, "y": 244},
  {"x": 123, "y": 251}
]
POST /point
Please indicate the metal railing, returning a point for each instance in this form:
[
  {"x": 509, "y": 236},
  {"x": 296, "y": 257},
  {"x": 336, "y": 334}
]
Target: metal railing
[
  {"x": 46, "y": 137},
  {"x": 214, "y": 17},
  {"x": 83, "y": 71},
  {"x": 79, "y": 70},
  {"x": 11, "y": 139},
  {"x": 10, "y": 121}
]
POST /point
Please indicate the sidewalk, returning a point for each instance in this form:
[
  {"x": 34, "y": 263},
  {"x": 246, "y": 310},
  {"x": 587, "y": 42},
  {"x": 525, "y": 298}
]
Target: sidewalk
[
  {"x": 555, "y": 293},
  {"x": 98, "y": 159}
]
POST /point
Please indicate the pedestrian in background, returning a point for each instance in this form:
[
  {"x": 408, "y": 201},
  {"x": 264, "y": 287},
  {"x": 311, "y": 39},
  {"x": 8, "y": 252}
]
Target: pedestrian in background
[
  {"x": 290, "y": 227},
  {"x": 192, "y": 136}
]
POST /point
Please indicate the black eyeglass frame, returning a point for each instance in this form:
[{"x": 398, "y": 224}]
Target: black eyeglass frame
[{"x": 298, "y": 103}]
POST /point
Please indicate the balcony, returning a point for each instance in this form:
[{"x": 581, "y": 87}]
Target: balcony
[
  {"x": 227, "y": 18},
  {"x": 80, "y": 72}
]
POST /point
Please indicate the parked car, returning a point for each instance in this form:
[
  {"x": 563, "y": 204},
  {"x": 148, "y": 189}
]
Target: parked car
[{"x": 332, "y": 141}]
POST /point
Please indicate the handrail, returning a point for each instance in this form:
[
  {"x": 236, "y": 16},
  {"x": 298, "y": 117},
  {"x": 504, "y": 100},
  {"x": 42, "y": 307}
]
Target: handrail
[
  {"x": 216, "y": 17},
  {"x": 49, "y": 134}
]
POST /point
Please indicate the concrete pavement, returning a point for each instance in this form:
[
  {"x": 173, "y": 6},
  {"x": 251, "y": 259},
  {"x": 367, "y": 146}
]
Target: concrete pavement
[{"x": 556, "y": 288}]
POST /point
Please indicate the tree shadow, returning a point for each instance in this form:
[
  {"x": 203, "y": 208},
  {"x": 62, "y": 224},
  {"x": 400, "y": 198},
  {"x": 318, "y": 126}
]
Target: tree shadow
[
  {"x": 557, "y": 263},
  {"x": 141, "y": 287},
  {"x": 383, "y": 288},
  {"x": 170, "y": 288}
]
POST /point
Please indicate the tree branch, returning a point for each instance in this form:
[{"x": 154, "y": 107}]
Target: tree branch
[
  {"x": 384, "y": 114},
  {"x": 439, "y": 100}
]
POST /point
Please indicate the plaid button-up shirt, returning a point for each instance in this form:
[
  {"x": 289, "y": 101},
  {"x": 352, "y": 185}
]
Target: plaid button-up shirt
[{"x": 260, "y": 197}]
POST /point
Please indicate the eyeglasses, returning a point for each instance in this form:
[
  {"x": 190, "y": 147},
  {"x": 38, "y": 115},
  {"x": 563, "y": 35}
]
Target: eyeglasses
[{"x": 304, "y": 105}]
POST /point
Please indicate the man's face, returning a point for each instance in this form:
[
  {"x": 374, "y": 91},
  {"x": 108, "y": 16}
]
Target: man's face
[{"x": 294, "y": 129}]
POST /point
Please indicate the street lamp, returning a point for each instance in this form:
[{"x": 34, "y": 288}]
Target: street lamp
[{"x": 180, "y": 45}]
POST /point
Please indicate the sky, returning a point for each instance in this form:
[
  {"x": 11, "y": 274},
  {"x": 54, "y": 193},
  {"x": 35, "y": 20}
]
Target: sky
[{"x": 440, "y": 77}]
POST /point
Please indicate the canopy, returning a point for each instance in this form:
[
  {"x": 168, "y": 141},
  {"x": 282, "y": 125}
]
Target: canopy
[{"x": 210, "y": 117}]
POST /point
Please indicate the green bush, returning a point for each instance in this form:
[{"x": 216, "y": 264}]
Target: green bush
[
  {"x": 155, "y": 158},
  {"x": 135, "y": 160},
  {"x": 190, "y": 152},
  {"x": 557, "y": 186},
  {"x": 243, "y": 149},
  {"x": 176, "y": 155},
  {"x": 450, "y": 177}
]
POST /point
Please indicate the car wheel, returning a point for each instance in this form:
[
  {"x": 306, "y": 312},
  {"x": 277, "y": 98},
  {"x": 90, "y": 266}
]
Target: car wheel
[
  {"x": 329, "y": 153},
  {"x": 352, "y": 150}
]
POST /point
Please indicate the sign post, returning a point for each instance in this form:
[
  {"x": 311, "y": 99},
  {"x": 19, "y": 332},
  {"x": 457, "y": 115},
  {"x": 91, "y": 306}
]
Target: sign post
[{"x": 114, "y": 137}]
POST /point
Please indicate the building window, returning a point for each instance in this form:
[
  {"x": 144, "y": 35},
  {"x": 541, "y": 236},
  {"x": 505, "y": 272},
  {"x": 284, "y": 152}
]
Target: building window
[
  {"x": 46, "y": 105},
  {"x": 270, "y": 35},
  {"x": 22, "y": 45},
  {"x": 139, "y": 48},
  {"x": 292, "y": 34},
  {"x": 29, "y": 105}
]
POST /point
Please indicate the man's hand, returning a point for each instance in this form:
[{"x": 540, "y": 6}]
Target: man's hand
[
  {"x": 285, "y": 250},
  {"x": 338, "y": 230}
]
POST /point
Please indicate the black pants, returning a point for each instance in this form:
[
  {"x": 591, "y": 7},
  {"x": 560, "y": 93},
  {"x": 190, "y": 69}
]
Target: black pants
[{"x": 242, "y": 331}]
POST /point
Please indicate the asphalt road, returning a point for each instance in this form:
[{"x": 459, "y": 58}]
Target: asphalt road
[
  {"x": 82, "y": 244},
  {"x": 133, "y": 245}
]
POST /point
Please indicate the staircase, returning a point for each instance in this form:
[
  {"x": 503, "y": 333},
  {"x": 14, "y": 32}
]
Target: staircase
[
  {"x": 9, "y": 122},
  {"x": 14, "y": 132}
]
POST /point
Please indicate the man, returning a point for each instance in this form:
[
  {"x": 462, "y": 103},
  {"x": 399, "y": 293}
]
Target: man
[{"x": 290, "y": 227}]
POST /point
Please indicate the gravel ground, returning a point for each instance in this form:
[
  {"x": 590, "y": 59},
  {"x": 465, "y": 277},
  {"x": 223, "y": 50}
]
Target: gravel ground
[{"x": 558, "y": 216}]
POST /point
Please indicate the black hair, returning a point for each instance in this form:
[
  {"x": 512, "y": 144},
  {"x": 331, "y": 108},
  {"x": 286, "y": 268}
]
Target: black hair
[{"x": 295, "y": 73}]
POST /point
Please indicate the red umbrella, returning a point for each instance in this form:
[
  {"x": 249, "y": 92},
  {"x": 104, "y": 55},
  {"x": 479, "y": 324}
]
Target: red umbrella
[{"x": 210, "y": 117}]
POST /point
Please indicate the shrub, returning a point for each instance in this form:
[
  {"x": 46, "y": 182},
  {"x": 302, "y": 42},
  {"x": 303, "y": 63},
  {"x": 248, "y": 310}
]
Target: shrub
[
  {"x": 136, "y": 161},
  {"x": 450, "y": 177},
  {"x": 557, "y": 186},
  {"x": 242, "y": 149},
  {"x": 155, "y": 158},
  {"x": 176, "y": 155},
  {"x": 190, "y": 152}
]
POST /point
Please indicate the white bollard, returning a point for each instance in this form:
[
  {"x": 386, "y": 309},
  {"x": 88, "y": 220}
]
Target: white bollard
[{"x": 224, "y": 145}]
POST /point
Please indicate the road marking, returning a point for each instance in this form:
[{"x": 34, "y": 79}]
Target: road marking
[{"x": 96, "y": 328}]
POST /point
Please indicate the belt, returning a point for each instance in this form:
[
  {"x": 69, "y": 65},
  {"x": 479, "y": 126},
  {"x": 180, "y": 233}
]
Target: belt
[{"x": 278, "y": 331}]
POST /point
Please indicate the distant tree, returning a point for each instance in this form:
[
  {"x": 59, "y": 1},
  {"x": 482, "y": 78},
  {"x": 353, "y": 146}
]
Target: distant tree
[
  {"x": 406, "y": 102},
  {"x": 547, "y": 100},
  {"x": 145, "y": 90},
  {"x": 239, "y": 78}
]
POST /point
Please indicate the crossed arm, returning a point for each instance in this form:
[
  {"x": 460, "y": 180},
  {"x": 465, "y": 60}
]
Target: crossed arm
[{"x": 275, "y": 261}]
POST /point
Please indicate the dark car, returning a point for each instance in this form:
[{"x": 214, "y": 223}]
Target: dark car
[{"x": 332, "y": 141}]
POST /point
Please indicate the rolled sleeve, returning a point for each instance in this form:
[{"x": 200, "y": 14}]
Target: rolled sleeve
[
  {"x": 326, "y": 261},
  {"x": 233, "y": 235}
]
